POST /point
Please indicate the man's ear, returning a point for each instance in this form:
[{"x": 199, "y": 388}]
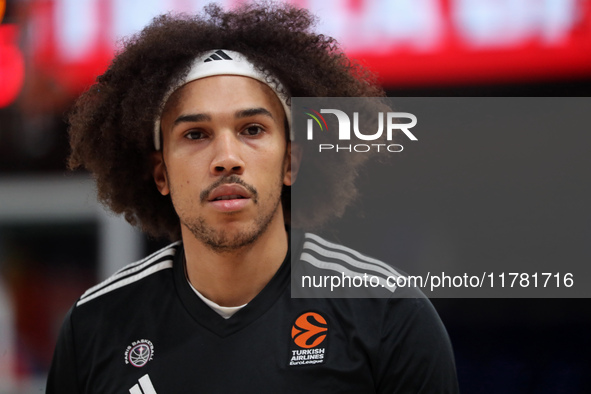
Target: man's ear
[
  {"x": 159, "y": 172},
  {"x": 293, "y": 159}
]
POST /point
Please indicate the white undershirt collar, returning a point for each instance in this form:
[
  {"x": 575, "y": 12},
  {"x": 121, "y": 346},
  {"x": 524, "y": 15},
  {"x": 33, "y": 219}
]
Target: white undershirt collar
[{"x": 224, "y": 311}]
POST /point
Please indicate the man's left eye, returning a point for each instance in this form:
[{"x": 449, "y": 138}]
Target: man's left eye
[
  {"x": 253, "y": 130},
  {"x": 195, "y": 135}
]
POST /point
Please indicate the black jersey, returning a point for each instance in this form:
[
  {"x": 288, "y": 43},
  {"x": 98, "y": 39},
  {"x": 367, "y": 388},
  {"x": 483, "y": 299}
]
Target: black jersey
[{"x": 145, "y": 331}]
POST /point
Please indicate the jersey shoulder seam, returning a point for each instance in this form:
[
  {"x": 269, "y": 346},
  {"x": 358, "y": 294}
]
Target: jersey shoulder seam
[
  {"x": 330, "y": 256},
  {"x": 157, "y": 261}
]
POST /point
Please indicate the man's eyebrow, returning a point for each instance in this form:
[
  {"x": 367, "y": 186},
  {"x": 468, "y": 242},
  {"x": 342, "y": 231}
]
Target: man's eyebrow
[
  {"x": 202, "y": 117},
  {"x": 192, "y": 118},
  {"x": 245, "y": 113}
]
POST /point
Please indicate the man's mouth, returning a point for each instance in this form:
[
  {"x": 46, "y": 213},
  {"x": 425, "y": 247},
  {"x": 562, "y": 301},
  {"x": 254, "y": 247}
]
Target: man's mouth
[
  {"x": 227, "y": 189},
  {"x": 230, "y": 197}
]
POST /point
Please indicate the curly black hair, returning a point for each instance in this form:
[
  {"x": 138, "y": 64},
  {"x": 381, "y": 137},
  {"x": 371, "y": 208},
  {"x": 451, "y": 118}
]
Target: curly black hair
[{"x": 111, "y": 124}]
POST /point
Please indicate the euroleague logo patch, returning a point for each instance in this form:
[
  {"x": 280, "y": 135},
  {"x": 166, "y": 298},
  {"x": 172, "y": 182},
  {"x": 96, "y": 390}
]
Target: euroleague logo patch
[
  {"x": 139, "y": 353},
  {"x": 308, "y": 339}
]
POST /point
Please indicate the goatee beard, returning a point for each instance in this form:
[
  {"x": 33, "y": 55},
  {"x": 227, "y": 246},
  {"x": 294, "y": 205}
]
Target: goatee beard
[{"x": 221, "y": 242}]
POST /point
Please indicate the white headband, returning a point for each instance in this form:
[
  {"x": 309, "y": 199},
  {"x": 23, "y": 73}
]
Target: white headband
[{"x": 224, "y": 62}]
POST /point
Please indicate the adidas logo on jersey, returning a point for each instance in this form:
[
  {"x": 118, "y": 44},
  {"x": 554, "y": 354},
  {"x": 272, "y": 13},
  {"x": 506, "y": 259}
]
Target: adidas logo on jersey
[
  {"x": 146, "y": 386},
  {"x": 218, "y": 55}
]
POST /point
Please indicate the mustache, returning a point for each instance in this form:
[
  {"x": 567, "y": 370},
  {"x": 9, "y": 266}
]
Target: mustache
[{"x": 235, "y": 179}]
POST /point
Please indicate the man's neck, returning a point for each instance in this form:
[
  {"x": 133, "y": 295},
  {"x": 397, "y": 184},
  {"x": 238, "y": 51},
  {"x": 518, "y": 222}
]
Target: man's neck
[{"x": 235, "y": 278}]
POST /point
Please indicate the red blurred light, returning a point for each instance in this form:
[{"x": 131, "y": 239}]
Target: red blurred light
[
  {"x": 12, "y": 65},
  {"x": 406, "y": 43}
]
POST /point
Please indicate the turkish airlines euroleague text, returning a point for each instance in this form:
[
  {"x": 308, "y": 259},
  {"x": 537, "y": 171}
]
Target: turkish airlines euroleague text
[{"x": 309, "y": 334}]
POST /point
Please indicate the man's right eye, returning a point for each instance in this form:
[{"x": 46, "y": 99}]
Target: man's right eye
[{"x": 195, "y": 135}]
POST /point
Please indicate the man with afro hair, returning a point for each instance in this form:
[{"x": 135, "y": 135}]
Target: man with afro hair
[{"x": 188, "y": 135}]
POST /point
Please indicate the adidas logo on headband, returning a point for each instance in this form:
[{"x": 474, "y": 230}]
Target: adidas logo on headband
[{"x": 218, "y": 55}]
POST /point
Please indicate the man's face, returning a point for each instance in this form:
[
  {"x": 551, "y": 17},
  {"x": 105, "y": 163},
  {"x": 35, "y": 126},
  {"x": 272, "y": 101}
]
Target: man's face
[{"x": 224, "y": 159}]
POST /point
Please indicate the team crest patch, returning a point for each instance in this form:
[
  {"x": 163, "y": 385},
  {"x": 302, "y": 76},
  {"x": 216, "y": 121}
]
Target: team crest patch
[
  {"x": 309, "y": 335},
  {"x": 139, "y": 353}
]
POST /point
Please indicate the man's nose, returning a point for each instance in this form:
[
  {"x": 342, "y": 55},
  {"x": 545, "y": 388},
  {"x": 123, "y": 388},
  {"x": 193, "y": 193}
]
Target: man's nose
[{"x": 227, "y": 158}]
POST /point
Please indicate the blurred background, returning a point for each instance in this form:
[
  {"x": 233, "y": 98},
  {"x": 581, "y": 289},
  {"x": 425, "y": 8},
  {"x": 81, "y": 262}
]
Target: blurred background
[{"x": 56, "y": 240}]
